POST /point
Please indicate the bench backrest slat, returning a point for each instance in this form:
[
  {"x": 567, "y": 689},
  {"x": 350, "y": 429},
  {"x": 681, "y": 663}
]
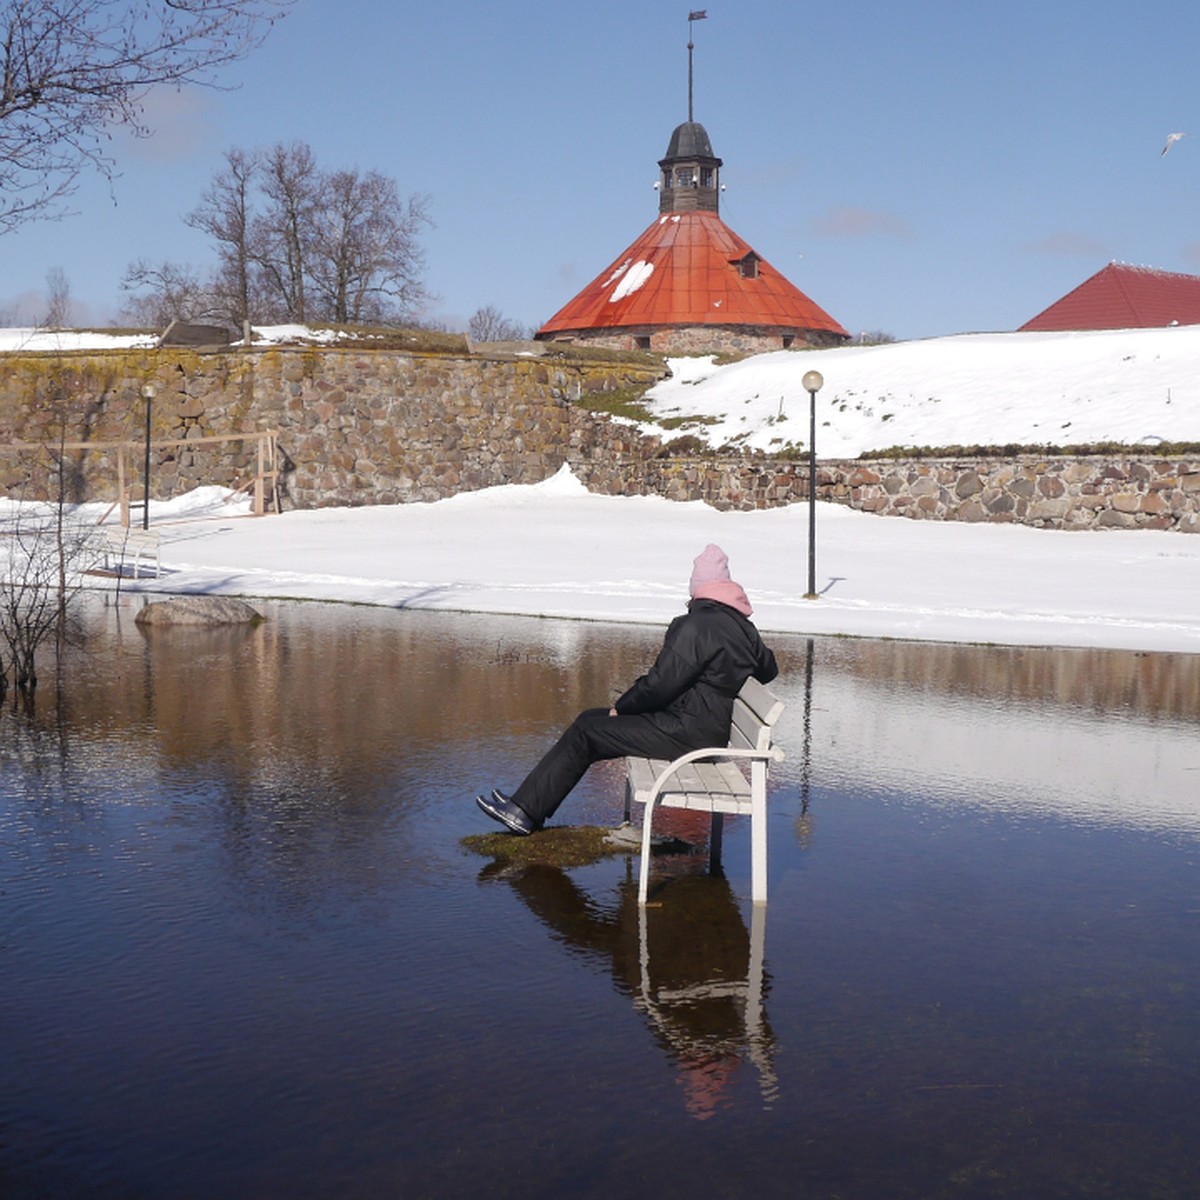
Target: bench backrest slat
[
  {"x": 765, "y": 705},
  {"x": 755, "y": 711}
]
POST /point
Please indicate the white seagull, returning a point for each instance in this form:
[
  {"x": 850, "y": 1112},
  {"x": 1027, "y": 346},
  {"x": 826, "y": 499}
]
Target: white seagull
[{"x": 1172, "y": 138}]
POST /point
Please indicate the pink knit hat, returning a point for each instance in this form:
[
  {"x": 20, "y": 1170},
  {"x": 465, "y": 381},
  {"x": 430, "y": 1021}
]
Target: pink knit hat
[
  {"x": 710, "y": 565},
  {"x": 710, "y": 580}
]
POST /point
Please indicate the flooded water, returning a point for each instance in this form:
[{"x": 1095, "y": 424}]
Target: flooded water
[{"x": 243, "y": 952}]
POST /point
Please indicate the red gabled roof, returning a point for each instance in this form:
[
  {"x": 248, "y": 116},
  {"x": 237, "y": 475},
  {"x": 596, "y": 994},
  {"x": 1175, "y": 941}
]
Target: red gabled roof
[
  {"x": 1124, "y": 297},
  {"x": 686, "y": 269}
]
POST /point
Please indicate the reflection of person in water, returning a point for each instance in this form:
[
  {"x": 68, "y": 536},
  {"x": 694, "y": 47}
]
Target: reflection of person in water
[{"x": 690, "y": 967}]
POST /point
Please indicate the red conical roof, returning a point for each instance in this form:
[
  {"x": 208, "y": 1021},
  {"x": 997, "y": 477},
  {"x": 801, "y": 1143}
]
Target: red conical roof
[
  {"x": 690, "y": 268},
  {"x": 1123, "y": 297}
]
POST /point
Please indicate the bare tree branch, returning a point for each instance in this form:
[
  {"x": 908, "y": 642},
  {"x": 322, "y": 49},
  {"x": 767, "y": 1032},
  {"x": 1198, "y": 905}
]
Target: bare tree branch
[{"x": 71, "y": 70}]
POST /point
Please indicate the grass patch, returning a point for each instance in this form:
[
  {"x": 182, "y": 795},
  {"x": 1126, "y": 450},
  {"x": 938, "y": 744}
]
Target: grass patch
[
  {"x": 688, "y": 422},
  {"x": 1015, "y": 450},
  {"x": 628, "y": 403},
  {"x": 688, "y": 446},
  {"x": 584, "y": 353},
  {"x": 559, "y": 846}
]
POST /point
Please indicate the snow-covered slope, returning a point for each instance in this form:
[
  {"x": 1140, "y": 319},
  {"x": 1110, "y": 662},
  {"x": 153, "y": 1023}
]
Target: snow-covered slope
[{"x": 1056, "y": 389}]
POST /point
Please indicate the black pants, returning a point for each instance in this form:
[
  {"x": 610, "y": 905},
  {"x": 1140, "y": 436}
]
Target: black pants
[{"x": 594, "y": 735}]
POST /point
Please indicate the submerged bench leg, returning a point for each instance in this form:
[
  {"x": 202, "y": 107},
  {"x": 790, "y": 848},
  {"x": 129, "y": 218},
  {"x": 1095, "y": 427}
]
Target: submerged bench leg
[
  {"x": 644, "y": 868},
  {"x": 715, "y": 839}
]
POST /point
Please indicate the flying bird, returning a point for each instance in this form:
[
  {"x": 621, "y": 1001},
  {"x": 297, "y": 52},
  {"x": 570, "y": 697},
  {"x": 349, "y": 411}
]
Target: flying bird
[{"x": 1172, "y": 138}]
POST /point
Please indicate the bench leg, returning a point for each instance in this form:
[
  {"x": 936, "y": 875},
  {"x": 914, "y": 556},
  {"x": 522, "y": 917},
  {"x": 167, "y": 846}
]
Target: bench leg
[
  {"x": 758, "y": 845},
  {"x": 715, "y": 838},
  {"x": 644, "y": 866}
]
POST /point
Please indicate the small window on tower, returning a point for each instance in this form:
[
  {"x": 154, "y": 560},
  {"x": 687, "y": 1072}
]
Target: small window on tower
[
  {"x": 706, "y": 177},
  {"x": 748, "y": 266}
]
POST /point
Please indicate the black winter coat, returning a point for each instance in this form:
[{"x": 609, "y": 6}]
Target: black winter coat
[{"x": 706, "y": 656}]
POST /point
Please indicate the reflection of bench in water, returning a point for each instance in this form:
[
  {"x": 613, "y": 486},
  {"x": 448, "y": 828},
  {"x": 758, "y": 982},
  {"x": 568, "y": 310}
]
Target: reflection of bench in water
[
  {"x": 130, "y": 546},
  {"x": 698, "y": 975},
  {"x": 674, "y": 1001},
  {"x": 711, "y": 781}
]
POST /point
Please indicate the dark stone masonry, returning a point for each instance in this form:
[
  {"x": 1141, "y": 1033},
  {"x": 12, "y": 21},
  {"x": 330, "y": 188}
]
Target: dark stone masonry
[{"x": 1050, "y": 492}]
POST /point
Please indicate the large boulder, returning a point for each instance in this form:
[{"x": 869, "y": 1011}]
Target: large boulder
[{"x": 207, "y": 611}]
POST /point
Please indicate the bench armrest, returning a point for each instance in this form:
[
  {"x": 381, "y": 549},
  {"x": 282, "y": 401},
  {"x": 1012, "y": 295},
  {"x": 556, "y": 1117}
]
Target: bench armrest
[{"x": 772, "y": 754}]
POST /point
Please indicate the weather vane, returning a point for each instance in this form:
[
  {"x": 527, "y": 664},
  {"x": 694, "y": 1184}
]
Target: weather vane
[{"x": 699, "y": 14}]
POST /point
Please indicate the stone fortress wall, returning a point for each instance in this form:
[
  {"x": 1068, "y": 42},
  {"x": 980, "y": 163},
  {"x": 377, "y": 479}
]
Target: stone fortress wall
[
  {"x": 1050, "y": 492},
  {"x": 385, "y": 426},
  {"x": 354, "y": 426}
]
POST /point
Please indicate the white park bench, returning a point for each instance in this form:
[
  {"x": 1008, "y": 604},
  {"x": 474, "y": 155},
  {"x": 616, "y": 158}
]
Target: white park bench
[
  {"x": 129, "y": 545},
  {"x": 713, "y": 780}
]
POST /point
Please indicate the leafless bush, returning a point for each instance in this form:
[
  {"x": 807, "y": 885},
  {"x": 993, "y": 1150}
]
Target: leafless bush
[{"x": 43, "y": 551}]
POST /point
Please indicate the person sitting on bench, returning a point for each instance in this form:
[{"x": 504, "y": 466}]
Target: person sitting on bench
[{"x": 683, "y": 703}]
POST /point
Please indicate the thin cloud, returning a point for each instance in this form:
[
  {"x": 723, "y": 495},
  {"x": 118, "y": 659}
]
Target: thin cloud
[
  {"x": 780, "y": 173},
  {"x": 1066, "y": 244},
  {"x": 852, "y": 222},
  {"x": 180, "y": 123}
]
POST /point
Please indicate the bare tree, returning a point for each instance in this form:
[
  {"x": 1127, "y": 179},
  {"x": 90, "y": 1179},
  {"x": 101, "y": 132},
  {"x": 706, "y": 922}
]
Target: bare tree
[
  {"x": 224, "y": 213},
  {"x": 44, "y": 549},
  {"x": 489, "y": 324},
  {"x": 364, "y": 257},
  {"x": 58, "y": 298},
  {"x": 298, "y": 243},
  {"x": 280, "y": 235},
  {"x": 71, "y": 70},
  {"x": 166, "y": 292}
]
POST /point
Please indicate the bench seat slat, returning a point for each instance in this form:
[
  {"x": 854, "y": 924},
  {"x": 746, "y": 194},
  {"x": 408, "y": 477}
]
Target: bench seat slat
[{"x": 716, "y": 779}]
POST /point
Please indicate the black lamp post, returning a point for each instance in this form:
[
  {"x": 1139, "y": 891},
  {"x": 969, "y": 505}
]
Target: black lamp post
[
  {"x": 148, "y": 396},
  {"x": 813, "y": 381}
]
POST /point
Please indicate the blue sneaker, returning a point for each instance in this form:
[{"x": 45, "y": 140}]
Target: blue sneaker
[{"x": 500, "y": 808}]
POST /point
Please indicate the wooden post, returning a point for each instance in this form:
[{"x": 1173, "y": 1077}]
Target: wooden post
[
  {"x": 274, "y": 473},
  {"x": 258, "y": 479}
]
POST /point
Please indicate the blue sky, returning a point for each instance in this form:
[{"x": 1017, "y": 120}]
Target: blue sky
[{"x": 922, "y": 168}]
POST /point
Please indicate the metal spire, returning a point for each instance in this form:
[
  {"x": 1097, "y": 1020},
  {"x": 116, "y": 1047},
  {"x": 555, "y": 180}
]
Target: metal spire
[{"x": 699, "y": 14}]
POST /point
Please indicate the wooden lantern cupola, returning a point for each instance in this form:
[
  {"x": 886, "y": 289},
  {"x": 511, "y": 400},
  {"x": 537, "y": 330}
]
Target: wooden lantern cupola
[{"x": 691, "y": 172}]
